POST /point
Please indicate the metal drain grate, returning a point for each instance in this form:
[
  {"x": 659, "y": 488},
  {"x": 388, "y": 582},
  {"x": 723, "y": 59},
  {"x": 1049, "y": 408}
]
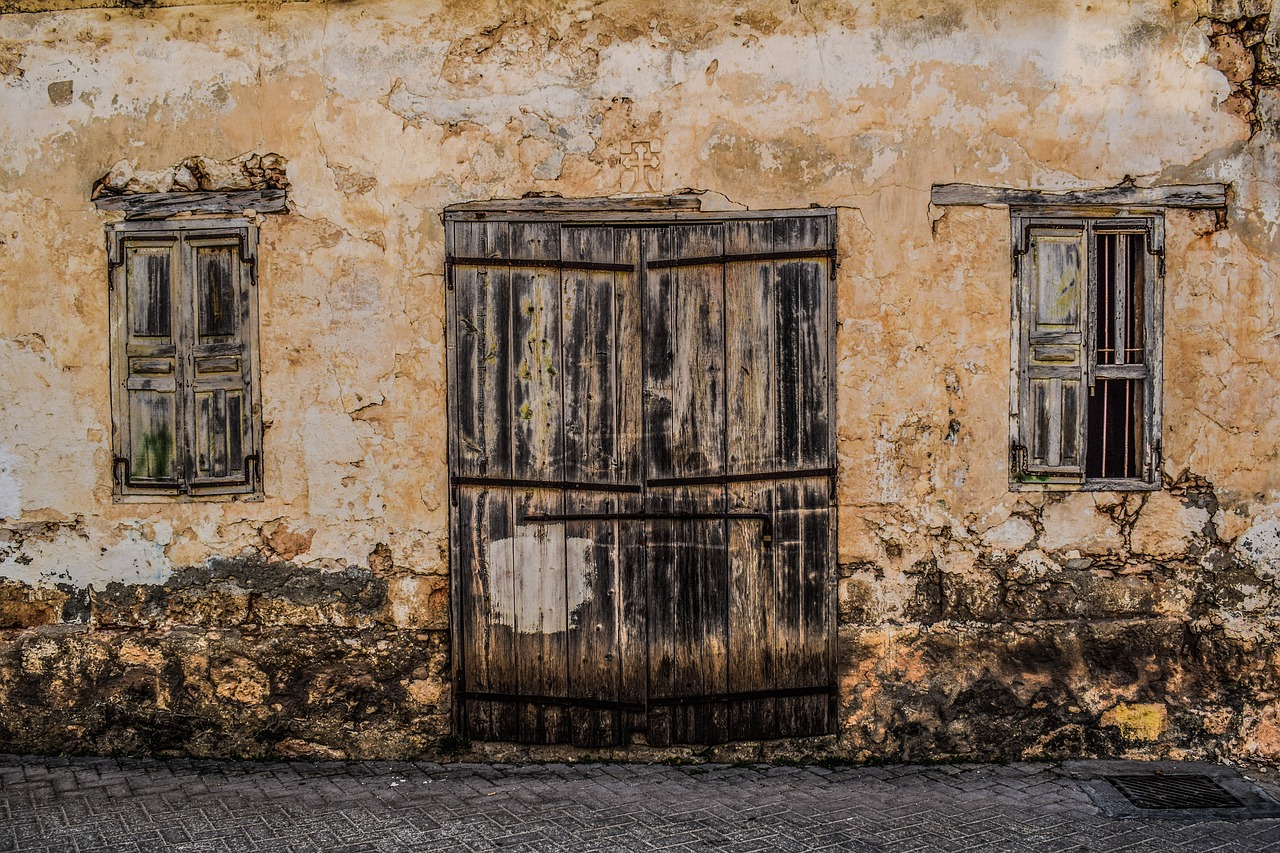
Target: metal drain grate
[{"x": 1174, "y": 792}]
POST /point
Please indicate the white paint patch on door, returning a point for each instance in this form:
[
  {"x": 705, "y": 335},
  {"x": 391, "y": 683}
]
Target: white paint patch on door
[{"x": 538, "y": 579}]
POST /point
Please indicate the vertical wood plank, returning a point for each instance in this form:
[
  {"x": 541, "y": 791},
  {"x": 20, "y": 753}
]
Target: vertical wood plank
[
  {"x": 697, "y": 336},
  {"x": 486, "y": 551},
  {"x": 658, "y": 347},
  {"x": 752, "y": 448},
  {"x": 810, "y": 715},
  {"x": 537, "y": 387},
  {"x": 589, "y": 357},
  {"x": 592, "y": 563},
  {"x": 629, "y": 370},
  {"x": 483, "y": 447},
  {"x": 537, "y": 403},
  {"x": 482, "y": 296},
  {"x": 812, "y": 278},
  {"x": 749, "y": 353},
  {"x": 629, "y": 386},
  {"x": 541, "y": 618},
  {"x": 687, "y": 618},
  {"x": 752, "y": 606}
]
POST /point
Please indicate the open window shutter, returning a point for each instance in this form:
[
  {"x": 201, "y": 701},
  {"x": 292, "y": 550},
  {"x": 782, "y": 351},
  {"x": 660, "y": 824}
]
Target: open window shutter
[
  {"x": 148, "y": 370},
  {"x": 218, "y": 324},
  {"x": 1051, "y": 402}
]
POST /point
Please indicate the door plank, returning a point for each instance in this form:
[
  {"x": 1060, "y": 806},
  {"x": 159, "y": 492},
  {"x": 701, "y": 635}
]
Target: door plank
[
  {"x": 592, "y": 580},
  {"x": 542, "y": 618},
  {"x": 688, "y": 618},
  {"x": 658, "y": 350},
  {"x": 628, "y": 462},
  {"x": 589, "y": 358},
  {"x": 752, "y": 602},
  {"x": 537, "y": 393},
  {"x": 812, "y": 714},
  {"x": 749, "y": 352},
  {"x": 537, "y": 404},
  {"x": 697, "y": 344},
  {"x": 482, "y": 298},
  {"x": 485, "y": 562}
]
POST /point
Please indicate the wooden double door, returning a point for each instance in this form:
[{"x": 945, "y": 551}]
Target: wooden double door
[{"x": 642, "y": 473}]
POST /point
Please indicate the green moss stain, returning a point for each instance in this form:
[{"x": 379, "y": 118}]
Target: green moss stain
[{"x": 153, "y": 459}]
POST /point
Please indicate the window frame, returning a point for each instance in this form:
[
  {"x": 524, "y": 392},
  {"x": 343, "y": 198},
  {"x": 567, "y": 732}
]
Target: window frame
[
  {"x": 183, "y": 238},
  {"x": 1091, "y": 221}
]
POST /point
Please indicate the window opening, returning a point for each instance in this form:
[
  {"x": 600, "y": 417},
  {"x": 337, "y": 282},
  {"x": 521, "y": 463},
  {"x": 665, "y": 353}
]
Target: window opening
[
  {"x": 1086, "y": 407},
  {"x": 186, "y": 416}
]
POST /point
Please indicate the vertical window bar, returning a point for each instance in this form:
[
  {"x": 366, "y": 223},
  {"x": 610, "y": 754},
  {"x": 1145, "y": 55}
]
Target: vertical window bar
[
  {"x": 1103, "y": 314},
  {"x": 1122, "y": 294},
  {"x": 1106, "y": 410},
  {"x": 1137, "y": 308},
  {"x": 1128, "y": 420}
]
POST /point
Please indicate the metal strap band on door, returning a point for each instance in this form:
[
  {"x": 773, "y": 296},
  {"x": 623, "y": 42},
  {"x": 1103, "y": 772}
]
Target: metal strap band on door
[
  {"x": 661, "y": 701},
  {"x": 733, "y": 258},
  {"x": 602, "y": 266},
  {"x": 723, "y": 479},
  {"x": 544, "y": 263},
  {"x": 519, "y": 483},
  {"x": 766, "y": 523}
]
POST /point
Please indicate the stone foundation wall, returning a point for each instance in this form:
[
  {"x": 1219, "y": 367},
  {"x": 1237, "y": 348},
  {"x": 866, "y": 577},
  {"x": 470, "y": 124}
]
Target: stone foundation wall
[{"x": 240, "y": 657}]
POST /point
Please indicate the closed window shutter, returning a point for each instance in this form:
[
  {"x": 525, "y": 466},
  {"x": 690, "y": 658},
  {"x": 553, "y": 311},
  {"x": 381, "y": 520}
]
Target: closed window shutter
[
  {"x": 1053, "y": 286},
  {"x": 218, "y": 323},
  {"x": 148, "y": 440}
]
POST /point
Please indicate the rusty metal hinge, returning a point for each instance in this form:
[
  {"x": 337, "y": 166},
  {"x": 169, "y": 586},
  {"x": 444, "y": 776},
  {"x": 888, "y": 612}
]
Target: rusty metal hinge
[
  {"x": 1017, "y": 459},
  {"x": 248, "y": 256},
  {"x": 115, "y": 258},
  {"x": 252, "y": 467}
]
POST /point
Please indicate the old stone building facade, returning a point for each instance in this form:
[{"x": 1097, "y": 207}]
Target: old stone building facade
[{"x": 929, "y": 410}]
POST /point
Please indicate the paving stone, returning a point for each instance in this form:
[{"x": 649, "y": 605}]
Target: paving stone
[{"x": 123, "y": 805}]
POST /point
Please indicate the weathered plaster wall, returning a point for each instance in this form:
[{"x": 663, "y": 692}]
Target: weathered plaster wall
[{"x": 975, "y": 621}]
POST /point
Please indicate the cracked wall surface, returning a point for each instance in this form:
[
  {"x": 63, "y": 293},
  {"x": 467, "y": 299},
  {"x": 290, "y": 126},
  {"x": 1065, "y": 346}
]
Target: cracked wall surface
[{"x": 974, "y": 621}]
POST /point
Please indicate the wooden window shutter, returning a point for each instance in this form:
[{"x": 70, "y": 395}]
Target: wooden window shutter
[
  {"x": 186, "y": 410},
  {"x": 1052, "y": 325},
  {"x": 146, "y": 300},
  {"x": 218, "y": 325}
]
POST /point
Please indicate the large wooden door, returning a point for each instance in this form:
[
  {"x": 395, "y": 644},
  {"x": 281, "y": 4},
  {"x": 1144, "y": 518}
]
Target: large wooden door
[{"x": 641, "y": 458}]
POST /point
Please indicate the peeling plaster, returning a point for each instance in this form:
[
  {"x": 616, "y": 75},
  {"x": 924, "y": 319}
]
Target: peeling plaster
[
  {"x": 10, "y": 489},
  {"x": 69, "y": 553}
]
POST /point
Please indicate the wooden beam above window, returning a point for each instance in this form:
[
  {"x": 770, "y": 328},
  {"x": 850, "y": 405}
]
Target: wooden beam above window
[
  {"x": 162, "y": 205},
  {"x": 1176, "y": 195}
]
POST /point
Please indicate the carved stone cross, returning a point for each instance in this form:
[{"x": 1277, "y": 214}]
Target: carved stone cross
[{"x": 642, "y": 160}]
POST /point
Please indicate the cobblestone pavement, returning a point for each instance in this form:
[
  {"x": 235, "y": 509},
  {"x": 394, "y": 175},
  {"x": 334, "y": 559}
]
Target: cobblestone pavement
[{"x": 97, "y": 804}]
